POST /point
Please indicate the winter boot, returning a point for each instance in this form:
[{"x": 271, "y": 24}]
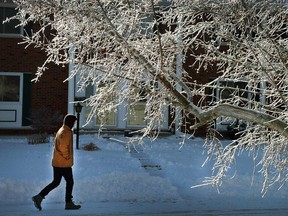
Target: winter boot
[
  {"x": 71, "y": 206},
  {"x": 37, "y": 201}
]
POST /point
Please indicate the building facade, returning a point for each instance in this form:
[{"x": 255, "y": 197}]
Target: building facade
[{"x": 19, "y": 97}]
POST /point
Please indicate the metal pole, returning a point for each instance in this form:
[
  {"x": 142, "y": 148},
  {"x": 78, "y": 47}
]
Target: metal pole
[{"x": 77, "y": 135}]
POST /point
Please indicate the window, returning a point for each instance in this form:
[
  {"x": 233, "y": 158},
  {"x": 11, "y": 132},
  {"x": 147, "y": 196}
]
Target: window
[
  {"x": 9, "y": 88},
  {"x": 136, "y": 115},
  {"x": 110, "y": 117},
  {"x": 231, "y": 88},
  {"x": 108, "y": 120},
  {"x": 12, "y": 112},
  {"x": 9, "y": 27},
  {"x": 225, "y": 90}
]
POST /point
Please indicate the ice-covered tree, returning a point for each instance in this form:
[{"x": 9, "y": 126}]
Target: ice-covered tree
[{"x": 134, "y": 50}]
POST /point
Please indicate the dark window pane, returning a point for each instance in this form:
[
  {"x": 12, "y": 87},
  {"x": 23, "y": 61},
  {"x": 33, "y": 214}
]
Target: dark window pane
[
  {"x": 9, "y": 88},
  {"x": 8, "y": 27},
  {"x": 1, "y": 19}
]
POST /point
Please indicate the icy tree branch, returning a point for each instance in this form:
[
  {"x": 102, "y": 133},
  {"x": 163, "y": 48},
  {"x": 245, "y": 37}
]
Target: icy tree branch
[
  {"x": 129, "y": 51},
  {"x": 252, "y": 116}
]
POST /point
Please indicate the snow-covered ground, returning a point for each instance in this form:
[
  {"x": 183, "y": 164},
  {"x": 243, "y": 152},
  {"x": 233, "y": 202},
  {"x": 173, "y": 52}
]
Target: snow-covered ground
[{"x": 154, "y": 179}]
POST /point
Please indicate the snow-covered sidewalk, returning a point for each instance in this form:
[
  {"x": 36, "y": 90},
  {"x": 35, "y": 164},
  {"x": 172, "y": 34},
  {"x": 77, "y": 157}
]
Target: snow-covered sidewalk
[
  {"x": 142, "y": 209},
  {"x": 113, "y": 181}
]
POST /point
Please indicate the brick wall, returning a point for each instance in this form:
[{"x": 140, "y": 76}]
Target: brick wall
[
  {"x": 50, "y": 91},
  {"x": 201, "y": 76}
]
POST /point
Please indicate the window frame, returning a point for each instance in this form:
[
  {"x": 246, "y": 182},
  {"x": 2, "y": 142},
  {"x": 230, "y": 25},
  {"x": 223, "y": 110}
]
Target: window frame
[
  {"x": 91, "y": 90},
  {"x": 6, "y": 34},
  {"x": 14, "y": 108},
  {"x": 19, "y": 102}
]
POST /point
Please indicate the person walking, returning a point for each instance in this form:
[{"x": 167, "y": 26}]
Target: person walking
[{"x": 62, "y": 162}]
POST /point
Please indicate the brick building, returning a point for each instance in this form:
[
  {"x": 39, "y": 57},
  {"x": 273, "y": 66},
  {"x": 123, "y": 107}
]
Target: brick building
[{"x": 19, "y": 97}]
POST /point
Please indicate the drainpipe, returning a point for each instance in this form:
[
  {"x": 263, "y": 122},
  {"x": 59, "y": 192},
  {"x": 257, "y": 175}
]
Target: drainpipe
[
  {"x": 179, "y": 68},
  {"x": 71, "y": 84},
  {"x": 262, "y": 97}
]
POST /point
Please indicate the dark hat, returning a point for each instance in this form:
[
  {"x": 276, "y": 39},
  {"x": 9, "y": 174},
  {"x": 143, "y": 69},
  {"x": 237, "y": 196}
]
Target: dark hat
[{"x": 69, "y": 120}]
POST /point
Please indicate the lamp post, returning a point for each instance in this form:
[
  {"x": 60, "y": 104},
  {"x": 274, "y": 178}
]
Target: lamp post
[{"x": 78, "y": 109}]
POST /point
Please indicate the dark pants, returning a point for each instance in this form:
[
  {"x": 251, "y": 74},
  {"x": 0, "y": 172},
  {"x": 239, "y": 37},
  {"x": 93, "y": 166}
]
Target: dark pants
[{"x": 58, "y": 173}]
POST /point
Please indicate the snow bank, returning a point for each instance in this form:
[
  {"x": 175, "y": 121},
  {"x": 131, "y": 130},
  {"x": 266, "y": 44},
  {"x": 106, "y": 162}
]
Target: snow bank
[{"x": 113, "y": 174}]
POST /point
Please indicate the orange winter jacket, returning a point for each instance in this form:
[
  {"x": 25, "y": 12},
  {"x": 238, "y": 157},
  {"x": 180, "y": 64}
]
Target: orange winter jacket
[{"x": 63, "y": 148}]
